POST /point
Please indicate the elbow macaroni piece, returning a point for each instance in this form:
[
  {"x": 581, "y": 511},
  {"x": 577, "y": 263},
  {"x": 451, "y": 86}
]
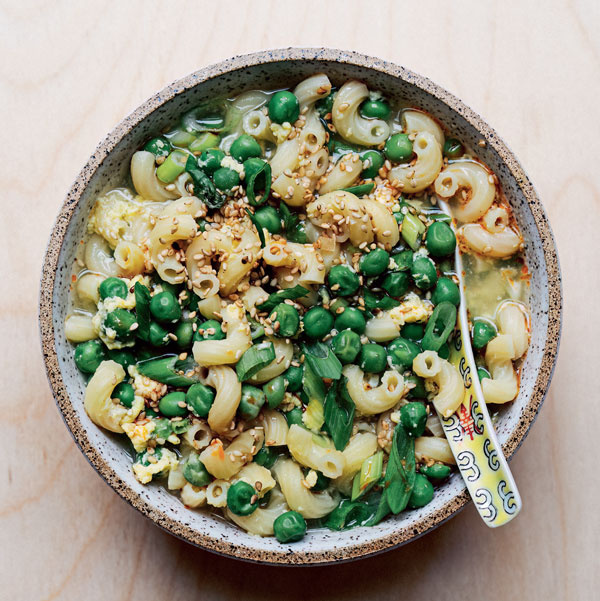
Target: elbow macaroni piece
[
  {"x": 472, "y": 178},
  {"x": 225, "y": 463},
  {"x": 307, "y": 452},
  {"x": 130, "y": 258},
  {"x": 438, "y": 371},
  {"x": 348, "y": 121},
  {"x": 198, "y": 435},
  {"x": 364, "y": 220},
  {"x": 216, "y": 493},
  {"x": 231, "y": 348},
  {"x": 281, "y": 253},
  {"x": 258, "y": 125},
  {"x": 98, "y": 258},
  {"x": 260, "y": 521},
  {"x": 175, "y": 223},
  {"x": 145, "y": 182},
  {"x": 503, "y": 386},
  {"x": 252, "y": 473},
  {"x": 79, "y": 328},
  {"x": 192, "y": 496},
  {"x": 298, "y": 497},
  {"x": 98, "y": 404},
  {"x": 414, "y": 122},
  {"x": 370, "y": 401},
  {"x": 276, "y": 428},
  {"x": 343, "y": 175},
  {"x": 87, "y": 288},
  {"x": 361, "y": 446},
  {"x": 431, "y": 447},
  {"x": 308, "y": 92},
  {"x": 227, "y": 398},
  {"x": 237, "y": 253},
  {"x": 512, "y": 320},
  {"x": 415, "y": 178}
]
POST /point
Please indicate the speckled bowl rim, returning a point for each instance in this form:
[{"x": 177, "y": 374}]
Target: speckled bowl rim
[{"x": 50, "y": 268}]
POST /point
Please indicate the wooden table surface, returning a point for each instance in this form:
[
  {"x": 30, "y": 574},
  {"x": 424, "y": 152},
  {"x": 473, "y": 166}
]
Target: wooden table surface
[{"x": 71, "y": 70}]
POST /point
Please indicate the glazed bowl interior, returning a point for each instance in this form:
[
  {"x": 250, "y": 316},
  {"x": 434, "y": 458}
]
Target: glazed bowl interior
[{"x": 109, "y": 166}]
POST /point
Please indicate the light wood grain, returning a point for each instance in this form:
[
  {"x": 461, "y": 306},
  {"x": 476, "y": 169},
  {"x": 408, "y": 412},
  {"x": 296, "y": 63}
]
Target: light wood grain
[{"x": 71, "y": 70}]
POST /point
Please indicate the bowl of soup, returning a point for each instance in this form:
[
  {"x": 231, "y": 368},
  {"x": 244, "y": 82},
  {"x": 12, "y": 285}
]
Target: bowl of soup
[{"x": 248, "y": 303}]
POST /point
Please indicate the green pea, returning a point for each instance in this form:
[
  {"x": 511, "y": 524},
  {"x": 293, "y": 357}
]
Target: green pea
[
  {"x": 195, "y": 472},
  {"x": 413, "y": 417},
  {"x": 284, "y": 107},
  {"x": 199, "y": 399},
  {"x": 398, "y": 148},
  {"x": 185, "y": 334},
  {"x": 274, "y": 391},
  {"x": 346, "y": 346},
  {"x": 372, "y": 358},
  {"x": 242, "y": 498},
  {"x": 121, "y": 321},
  {"x": 396, "y": 283},
  {"x": 289, "y": 527},
  {"x": 422, "y": 492},
  {"x": 89, "y": 355},
  {"x": 483, "y": 332},
  {"x": 125, "y": 393},
  {"x": 173, "y": 405},
  {"x": 294, "y": 417},
  {"x": 269, "y": 219},
  {"x": 482, "y": 373},
  {"x": 245, "y": 147},
  {"x": 321, "y": 484},
  {"x": 225, "y": 179},
  {"x": 158, "y": 146},
  {"x": 157, "y": 335},
  {"x": 209, "y": 330},
  {"x": 317, "y": 322},
  {"x": 111, "y": 287},
  {"x": 372, "y": 161},
  {"x": 437, "y": 471},
  {"x": 444, "y": 351},
  {"x": 123, "y": 358},
  {"x": 164, "y": 307},
  {"x": 267, "y": 456},
  {"x": 446, "y": 291},
  {"x": 402, "y": 353},
  {"x": 210, "y": 160},
  {"x": 440, "y": 239},
  {"x": 418, "y": 391},
  {"x": 338, "y": 305},
  {"x": 374, "y": 262},
  {"x": 343, "y": 280},
  {"x": 453, "y": 149},
  {"x": 413, "y": 331},
  {"x": 424, "y": 273},
  {"x": 293, "y": 376},
  {"x": 253, "y": 399},
  {"x": 288, "y": 319},
  {"x": 403, "y": 260},
  {"x": 375, "y": 109},
  {"x": 352, "y": 319}
]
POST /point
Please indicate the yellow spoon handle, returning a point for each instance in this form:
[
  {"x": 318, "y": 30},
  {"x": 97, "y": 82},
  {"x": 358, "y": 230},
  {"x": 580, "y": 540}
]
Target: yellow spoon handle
[{"x": 470, "y": 432}]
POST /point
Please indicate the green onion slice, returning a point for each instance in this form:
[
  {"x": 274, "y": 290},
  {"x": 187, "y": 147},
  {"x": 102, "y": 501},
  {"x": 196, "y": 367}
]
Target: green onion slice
[{"x": 254, "y": 359}]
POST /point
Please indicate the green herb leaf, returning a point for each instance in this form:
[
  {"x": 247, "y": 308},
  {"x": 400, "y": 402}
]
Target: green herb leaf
[
  {"x": 292, "y": 226},
  {"x": 169, "y": 370},
  {"x": 339, "y": 414},
  {"x": 361, "y": 190},
  {"x": 278, "y": 297},
  {"x": 315, "y": 392},
  {"x": 258, "y": 226},
  {"x": 322, "y": 360},
  {"x": 254, "y": 359},
  {"x": 142, "y": 310},
  {"x": 400, "y": 472},
  {"x": 204, "y": 188},
  {"x": 179, "y": 427},
  {"x": 349, "y": 514}
]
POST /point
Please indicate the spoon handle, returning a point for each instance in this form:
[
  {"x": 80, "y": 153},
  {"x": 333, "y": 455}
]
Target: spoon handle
[{"x": 470, "y": 431}]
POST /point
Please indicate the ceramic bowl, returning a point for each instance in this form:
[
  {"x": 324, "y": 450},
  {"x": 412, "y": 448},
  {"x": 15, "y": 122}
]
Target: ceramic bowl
[{"x": 107, "y": 166}]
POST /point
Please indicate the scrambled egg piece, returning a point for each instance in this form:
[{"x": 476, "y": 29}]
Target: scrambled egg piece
[
  {"x": 149, "y": 465},
  {"x": 113, "y": 215},
  {"x": 139, "y": 434},
  {"x": 230, "y": 163},
  {"x": 281, "y": 132},
  {"x": 412, "y": 309},
  {"x": 146, "y": 387}
]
